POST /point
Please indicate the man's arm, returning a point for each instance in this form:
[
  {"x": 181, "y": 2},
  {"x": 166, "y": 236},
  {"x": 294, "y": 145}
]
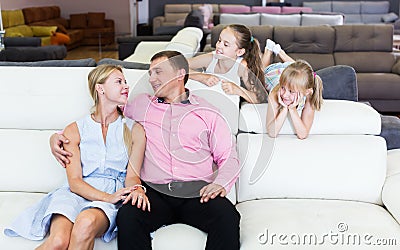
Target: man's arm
[
  {"x": 223, "y": 146},
  {"x": 57, "y": 142}
]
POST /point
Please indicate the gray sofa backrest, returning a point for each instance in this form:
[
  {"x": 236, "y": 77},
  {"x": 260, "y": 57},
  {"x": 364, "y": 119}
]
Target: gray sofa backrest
[
  {"x": 355, "y": 11},
  {"x": 365, "y": 47},
  {"x": 313, "y": 44}
]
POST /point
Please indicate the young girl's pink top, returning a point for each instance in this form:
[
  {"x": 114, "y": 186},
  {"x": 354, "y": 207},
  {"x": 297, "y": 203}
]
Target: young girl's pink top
[{"x": 184, "y": 140}]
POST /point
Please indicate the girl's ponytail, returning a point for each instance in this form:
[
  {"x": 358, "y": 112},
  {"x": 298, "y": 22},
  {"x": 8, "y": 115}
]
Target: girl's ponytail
[{"x": 316, "y": 97}]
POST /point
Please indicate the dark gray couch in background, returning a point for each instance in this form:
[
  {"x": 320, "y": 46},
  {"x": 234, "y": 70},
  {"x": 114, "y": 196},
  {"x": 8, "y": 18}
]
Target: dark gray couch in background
[
  {"x": 357, "y": 12},
  {"x": 366, "y": 48}
]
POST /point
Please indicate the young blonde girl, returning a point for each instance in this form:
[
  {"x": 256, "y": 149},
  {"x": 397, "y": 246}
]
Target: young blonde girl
[
  {"x": 299, "y": 91},
  {"x": 236, "y": 59}
]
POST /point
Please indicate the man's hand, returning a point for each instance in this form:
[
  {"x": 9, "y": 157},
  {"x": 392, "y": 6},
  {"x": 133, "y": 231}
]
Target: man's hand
[
  {"x": 56, "y": 145},
  {"x": 211, "y": 191}
]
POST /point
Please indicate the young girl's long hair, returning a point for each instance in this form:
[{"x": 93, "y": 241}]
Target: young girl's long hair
[
  {"x": 300, "y": 76},
  {"x": 252, "y": 54},
  {"x": 98, "y": 76}
]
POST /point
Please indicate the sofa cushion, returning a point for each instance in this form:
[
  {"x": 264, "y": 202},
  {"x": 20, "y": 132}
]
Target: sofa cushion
[
  {"x": 352, "y": 7},
  {"x": 268, "y": 173},
  {"x": 371, "y": 18},
  {"x": 12, "y": 204},
  {"x": 306, "y": 39},
  {"x": 43, "y": 30},
  {"x": 361, "y": 61},
  {"x": 96, "y": 20},
  {"x": 353, "y": 19},
  {"x": 340, "y": 82},
  {"x": 335, "y": 117},
  {"x": 174, "y": 17},
  {"x": 266, "y": 9},
  {"x": 363, "y": 38},
  {"x": 369, "y": 89},
  {"x": 304, "y": 224},
  {"x": 317, "y": 61},
  {"x": 177, "y": 8},
  {"x": 323, "y": 6},
  {"x": 374, "y": 7},
  {"x": 20, "y": 30},
  {"x": 315, "y": 19},
  {"x": 234, "y": 9},
  {"x": 88, "y": 62},
  {"x": 12, "y": 18},
  {"x": 245, "y": 19},
  {"x": 36, "y": 14},
  {"x": 293, "y": 9},
  {"x": 281, "y": 19},
  {"x": 389, "y": 17},
  {"x": 78, "y": 21}
]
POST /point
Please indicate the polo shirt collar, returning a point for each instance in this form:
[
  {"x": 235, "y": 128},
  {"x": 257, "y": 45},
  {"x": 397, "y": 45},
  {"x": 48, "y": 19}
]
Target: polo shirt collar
[{"x": 190, "y": 98}]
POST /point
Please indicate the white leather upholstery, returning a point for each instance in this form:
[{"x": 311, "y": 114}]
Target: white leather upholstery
[
  {"x": 335, "y": 117},
  {"x": 306, "y": 224},
  {"x": 286, "y": 185},
  {"x": 186, "y": 41},
  {"x": 320, "y": 167}
]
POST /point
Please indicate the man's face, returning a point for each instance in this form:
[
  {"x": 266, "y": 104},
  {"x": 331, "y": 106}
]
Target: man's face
[{"x": 163, "y": 77}]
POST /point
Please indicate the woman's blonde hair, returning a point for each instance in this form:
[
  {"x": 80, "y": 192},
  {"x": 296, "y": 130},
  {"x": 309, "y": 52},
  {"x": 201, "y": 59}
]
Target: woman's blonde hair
[
  {"x": 300, "y": 76},
  {"x": 99, "y": 75}
]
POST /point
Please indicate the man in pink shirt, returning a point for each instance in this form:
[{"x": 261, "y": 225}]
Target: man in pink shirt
[
  {"x": 190, "y": 162},
  {"x": 185, "y": 135}
]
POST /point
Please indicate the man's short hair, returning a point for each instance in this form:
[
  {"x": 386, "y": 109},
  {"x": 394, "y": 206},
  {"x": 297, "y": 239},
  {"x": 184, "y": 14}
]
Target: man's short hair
[{"x": 176, "y": 59}]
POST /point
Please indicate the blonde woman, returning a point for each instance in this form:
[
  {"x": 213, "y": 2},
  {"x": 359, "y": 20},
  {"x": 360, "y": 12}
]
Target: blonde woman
[
  {"x": 298, "y": 95},
  {"x": 99, "y": 180}
]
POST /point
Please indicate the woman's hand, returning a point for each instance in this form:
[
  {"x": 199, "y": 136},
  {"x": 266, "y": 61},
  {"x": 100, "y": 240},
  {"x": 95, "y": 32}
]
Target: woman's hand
[
  {"x": 119, "y": 195},
  {"x": 231, "y": 88},
  {"x": 138, "y": 198}
]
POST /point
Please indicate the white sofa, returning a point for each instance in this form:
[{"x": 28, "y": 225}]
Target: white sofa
[
  {"x": 338, "y": 185},
  {"x": 186, "y": 41}
]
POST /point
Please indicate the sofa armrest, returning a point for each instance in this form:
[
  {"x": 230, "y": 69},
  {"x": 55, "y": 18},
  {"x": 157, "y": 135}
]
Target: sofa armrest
[
  {"x": 157, "y": 22},
  {"x": 127, "y": 45},
  {"x": 109, "y": 23},
  {"x": 390, "y": 192},
  {"x": 396, "y": 67}
]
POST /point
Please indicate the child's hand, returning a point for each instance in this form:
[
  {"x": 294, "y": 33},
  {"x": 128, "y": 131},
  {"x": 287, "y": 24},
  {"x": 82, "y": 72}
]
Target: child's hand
[
  {"x": 296, "y": 101},
  {"x": 280, "y": 101},
  {"x": 230, "y": 88},
  {"x": 210, "y": 80}
]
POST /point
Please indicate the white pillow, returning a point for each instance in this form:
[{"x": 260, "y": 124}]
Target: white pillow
[
  {"x": 313, "y": 20},
  {"x": 280, "y": 19},
  {"x": 245, "y": 19}
]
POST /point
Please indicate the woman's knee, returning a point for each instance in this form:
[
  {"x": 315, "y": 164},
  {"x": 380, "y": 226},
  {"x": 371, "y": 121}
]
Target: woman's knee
[
  {"x": 58, "y": 241},
  {"x": 88, "y": 225}
]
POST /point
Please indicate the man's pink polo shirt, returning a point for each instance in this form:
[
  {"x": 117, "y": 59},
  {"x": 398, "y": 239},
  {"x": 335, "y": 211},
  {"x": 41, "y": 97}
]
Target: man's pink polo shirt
[{"x": 184, "y": 140}]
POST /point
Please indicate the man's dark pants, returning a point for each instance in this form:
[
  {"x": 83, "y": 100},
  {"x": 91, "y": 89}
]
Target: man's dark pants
[{"x": 218, "y": 218}]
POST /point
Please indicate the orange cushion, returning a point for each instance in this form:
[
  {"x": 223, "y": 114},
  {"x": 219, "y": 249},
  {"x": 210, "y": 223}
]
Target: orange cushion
[{"x": 60, "y": 39}]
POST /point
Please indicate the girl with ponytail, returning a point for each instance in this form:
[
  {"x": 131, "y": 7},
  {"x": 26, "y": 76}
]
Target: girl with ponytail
[
  {"x": 298, "y": 95},
  {"x": 235, "y": 64}
]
